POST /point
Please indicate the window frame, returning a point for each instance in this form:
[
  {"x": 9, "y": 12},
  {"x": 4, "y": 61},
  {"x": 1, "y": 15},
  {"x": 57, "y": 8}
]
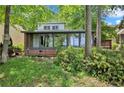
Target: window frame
[
  {"x": 55, "y": 27},
  {"x": 46, "y": 27}
]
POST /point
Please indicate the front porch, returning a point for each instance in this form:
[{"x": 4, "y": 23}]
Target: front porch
[{"x": 45, "y": 43}]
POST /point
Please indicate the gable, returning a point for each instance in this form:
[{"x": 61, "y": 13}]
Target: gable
[
  {"x": 121, "y": 31},
  {"x": 16, "y": 35}
]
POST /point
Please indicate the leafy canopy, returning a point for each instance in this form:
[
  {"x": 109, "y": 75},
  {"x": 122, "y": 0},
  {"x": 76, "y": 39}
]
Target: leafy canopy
[{"x": 27, "y": 16}]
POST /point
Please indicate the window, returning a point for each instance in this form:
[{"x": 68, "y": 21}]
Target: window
[
  {"x": 54, "y": 27},
  {"x": 46, "y": 27},
  {"x": 41, "y": 40},
  {"x": 46, "y": 41}
]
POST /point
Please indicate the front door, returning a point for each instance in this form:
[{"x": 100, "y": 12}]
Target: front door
[{"x": 44, "y": 41}]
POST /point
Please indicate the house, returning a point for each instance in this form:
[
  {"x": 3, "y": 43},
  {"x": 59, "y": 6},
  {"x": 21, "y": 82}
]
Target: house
[
  {"x": 48, "y": 36},
  {"x": 121, "y": 36},
  {"x": 15, "y": 34}
]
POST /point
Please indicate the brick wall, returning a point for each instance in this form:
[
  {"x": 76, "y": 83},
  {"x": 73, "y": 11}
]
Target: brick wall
[{"x": 38, "y": 52}]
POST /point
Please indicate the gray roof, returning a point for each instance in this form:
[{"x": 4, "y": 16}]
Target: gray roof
[
  {"x": 121, "y": 31},
  {"x": 52, "y": 23},
  {"x": 54, "y": 31}
]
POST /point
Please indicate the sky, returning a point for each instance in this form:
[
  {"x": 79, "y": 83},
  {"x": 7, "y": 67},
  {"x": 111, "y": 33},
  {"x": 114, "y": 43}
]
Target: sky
[
  {"x": 112, "y": 19},
  {"x": 53, "y": 8},
  {"x": 115, "y": 18}
]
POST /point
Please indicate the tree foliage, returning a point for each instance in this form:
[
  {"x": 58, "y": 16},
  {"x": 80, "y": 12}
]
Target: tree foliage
[
  {"x": 2, "y": 14},
  {"x": 73, "y": 15},
  {"x": 27, "y": 16},
  {"x": 108, "y": 32}
]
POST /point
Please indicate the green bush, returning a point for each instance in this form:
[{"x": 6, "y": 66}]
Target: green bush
[
  {"x": 13, "y": 49},
  {"x": 19, "y": 47},
  {"x": 114, "y": 45},
  {"x": 70, "y": 59},
  {"x": 106, "y": 65}
]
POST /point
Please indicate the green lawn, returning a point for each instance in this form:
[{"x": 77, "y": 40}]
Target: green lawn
[{"x": 25, "y": 71}]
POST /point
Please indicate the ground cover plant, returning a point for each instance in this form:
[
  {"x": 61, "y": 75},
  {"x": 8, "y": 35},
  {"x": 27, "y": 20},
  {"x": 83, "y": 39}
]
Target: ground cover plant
[{"x": 26, "y": 71}]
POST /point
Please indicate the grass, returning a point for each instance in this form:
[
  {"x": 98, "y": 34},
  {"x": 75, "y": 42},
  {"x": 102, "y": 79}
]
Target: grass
[{"x": 25, "y": 71}]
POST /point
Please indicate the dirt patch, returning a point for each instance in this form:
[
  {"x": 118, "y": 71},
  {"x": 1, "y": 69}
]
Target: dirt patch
[
  {"x": 43, "y": 59},
  {"x": 90, "y": 82}
]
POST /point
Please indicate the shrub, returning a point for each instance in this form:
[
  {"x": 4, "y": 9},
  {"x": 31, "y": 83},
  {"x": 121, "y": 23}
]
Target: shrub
[
  {"x": 106, "y": 65},
  {"x": 13, "y": 50},
  {"x": 70, "y": 59},
  {"x": 17, "y": 50},
  {"x": 114, "y": 45},
  {"x": 20, "y": 47}
]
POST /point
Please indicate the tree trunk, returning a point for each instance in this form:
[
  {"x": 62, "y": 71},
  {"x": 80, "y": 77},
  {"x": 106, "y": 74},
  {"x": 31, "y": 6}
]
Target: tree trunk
[
  {"x": 6, "y": 35},
  {"x": 88, "y": 29},
  {"x": 98, "y": 29}
]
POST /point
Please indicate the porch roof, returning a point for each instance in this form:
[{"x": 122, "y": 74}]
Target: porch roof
[
  {"x": 54, "y": 31},
  {"x": 121, "y": 31}
]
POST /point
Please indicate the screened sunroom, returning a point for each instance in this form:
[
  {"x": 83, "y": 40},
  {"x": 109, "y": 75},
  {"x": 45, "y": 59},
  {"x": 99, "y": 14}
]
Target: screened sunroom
[{"x": 45, "y": 40}]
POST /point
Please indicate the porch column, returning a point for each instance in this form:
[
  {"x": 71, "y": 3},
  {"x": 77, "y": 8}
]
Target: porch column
[
  {"x": 29, "y": 41},
  {"x": 121, "y": 37},
  {"x": 25, "y": 42},
  {"x": 67, "y": 39},
  {"x": 53, "y": 39},
  {"x": 79, "y": 39}
]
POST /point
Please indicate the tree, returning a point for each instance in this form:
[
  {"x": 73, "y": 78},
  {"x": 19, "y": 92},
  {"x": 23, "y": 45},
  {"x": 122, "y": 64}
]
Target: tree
[
  {"x": 88, "y": 27},
  {"x": 30, "y": 16},
  {"x": 6, "y": 35},
  {"x": 27, "y": 17},
  {"x": 73, "y": 15},
  {"x": 98, "y": 28},
  {"x": 121, "y": 25}
]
